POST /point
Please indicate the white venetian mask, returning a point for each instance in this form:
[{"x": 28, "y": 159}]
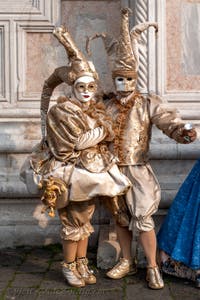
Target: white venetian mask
[
  {"x": 125, "y": 84},
  {"x": 84, "y": 88}
]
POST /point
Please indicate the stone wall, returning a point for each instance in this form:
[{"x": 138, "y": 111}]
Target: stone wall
[{"x": 28, "y": 55}]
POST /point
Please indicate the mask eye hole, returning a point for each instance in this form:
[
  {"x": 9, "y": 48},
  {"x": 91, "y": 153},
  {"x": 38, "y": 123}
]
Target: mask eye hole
[
  {"x": 92, "y": 87},
  {"x": 80, "y": 87},
  {"x": 120, "y": 79},
  {"x": 129, "y": 78}
]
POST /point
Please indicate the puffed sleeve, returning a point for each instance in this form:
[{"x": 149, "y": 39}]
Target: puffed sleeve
[
  {"x": 91, "y": 138},
  {"x": 64, "y": 127},
  {"x": 166, "y": 118}
]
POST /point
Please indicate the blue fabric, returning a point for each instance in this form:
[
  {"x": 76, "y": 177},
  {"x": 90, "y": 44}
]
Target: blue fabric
[{"x": 179, "y": 235}]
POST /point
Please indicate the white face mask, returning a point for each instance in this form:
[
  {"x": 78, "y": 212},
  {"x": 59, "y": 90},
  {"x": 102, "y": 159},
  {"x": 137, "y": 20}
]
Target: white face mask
[
  {"x": 84, "y": 88},
  {"x": 125, "y": 84}
]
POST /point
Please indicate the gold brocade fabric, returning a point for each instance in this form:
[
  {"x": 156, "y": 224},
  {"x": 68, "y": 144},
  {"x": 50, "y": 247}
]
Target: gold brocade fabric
[
  {"x": 87, "y": 173},
  {"x": 134, "y": 116},
  {"x": 133, "y": 121},
  {"x": 65, "y": 123}
]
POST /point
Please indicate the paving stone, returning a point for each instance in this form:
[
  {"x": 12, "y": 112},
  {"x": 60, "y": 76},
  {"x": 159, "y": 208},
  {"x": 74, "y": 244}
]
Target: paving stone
[
  {"x": 49, "y": 284},
  {"x": 56, "y": 266},
  {"x": 10, "y": 258},
  {"x": 136, "y": 278},
  {"x": 21, "y": 294},
  {"x": 34, "y": 265},
  {"x": 1, "y": 292},
  {"x": 103, "y": 282},
  {"x": 27, "y": 280},
  {"x": 41, "y": 253},
  {"x": 23, "y": 250},
  {"x": 105, "y": 288},
  {"x": 58, "y": 294},
  {"x": 103, "y": 293},
  {"x": 2, "y": 286},
  {"x": 53, "y": 279},
  {"x": 58, "y": 256},
  {"x": 181, "y": 288},
  {"x": 140, "y": 291},
  {"x": 6, "y": 275}
]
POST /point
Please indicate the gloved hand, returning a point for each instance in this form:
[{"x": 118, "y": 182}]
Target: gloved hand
[{"x": 189, "y": 136}]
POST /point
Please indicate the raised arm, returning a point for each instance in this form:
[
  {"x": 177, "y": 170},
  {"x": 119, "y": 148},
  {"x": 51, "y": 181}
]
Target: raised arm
[{"x": 169, "y": 121}]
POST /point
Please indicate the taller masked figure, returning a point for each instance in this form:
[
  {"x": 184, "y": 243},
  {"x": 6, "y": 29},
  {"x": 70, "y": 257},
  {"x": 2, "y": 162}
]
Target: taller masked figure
[
  {"x": 134, "y": 115},
  {"x": 77, "y": 167}
]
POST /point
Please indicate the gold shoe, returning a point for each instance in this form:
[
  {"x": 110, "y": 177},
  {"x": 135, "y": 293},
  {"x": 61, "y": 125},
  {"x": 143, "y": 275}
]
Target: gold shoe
[
  {"x": 122, "y": 269},
  {"x": 86, "y": 274},
  {"x": 72, "y": 275},
  {"x": 154, "y": 278}
]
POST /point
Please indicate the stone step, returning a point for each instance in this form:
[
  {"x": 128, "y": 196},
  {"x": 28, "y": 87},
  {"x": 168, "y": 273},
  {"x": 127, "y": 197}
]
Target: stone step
[{"x": 108, "y": 252}]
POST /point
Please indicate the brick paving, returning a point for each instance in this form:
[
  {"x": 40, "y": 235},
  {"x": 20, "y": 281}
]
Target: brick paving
[{"x": 34, "y": 273}]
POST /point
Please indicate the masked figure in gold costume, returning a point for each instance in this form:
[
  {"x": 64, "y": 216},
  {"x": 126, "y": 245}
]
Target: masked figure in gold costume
[
  {"x": 134, "y": 115},
  {"x": 78, "y": 166}
]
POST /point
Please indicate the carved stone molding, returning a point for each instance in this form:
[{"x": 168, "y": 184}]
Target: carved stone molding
[
  {"x": 4, "y": 61},
  {"x": 176, "y": 83},
  {"x": 141, "y": 15},
  {"x": 29, "y": 10},
  {"x": 145, "y": 11},
  {"x": 22, "y": 31},
  {"x": 17, "y": 18}
]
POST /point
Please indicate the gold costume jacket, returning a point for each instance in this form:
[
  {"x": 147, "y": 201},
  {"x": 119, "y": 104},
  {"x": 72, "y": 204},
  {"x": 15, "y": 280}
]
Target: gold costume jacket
[
  {"x": 133, "y": 123},
  {"x": 66, "y": 123}
]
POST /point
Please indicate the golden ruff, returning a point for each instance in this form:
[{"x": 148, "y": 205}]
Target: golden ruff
[{"x": 97, "y": 111}]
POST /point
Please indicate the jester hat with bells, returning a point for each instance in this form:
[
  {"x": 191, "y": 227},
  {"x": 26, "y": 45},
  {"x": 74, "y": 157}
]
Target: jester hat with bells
[
  {"x": 123, "y": 53},
  {"x": 78, "y": 66}
]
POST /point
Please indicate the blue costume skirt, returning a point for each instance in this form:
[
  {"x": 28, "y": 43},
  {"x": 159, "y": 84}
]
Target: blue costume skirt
[{"x": 179, "y": 235}]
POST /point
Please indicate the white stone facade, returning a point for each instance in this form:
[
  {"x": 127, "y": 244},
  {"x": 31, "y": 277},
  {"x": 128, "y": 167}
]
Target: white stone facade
[{"x": 28, "y": 55}]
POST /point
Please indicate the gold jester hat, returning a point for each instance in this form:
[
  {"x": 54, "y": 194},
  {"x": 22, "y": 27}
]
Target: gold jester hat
[
  {"x": 123, "y": 53},
  {"x": 79, "y": 66}
]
